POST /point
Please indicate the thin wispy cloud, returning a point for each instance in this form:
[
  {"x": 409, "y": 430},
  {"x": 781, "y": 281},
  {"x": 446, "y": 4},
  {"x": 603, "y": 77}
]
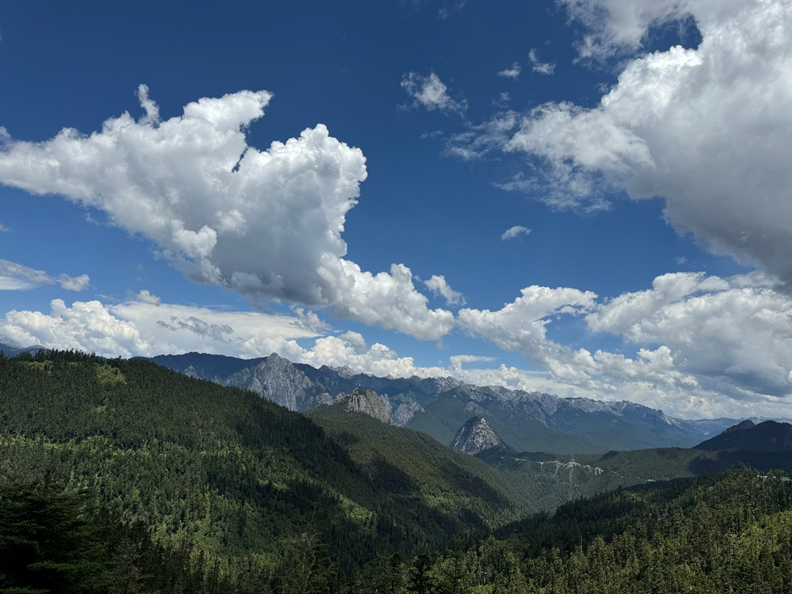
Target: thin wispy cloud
[
  {"x": 515, "y": 231},
  {"x": 512, "y": 73},
  {"x": 446, "y": 11},
  {"x": 17, "y": 277},
  {"x": 547, "y": 68},
  {"x": 431, "y": 93}
]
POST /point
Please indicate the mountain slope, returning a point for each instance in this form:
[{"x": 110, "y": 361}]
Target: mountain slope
[
  {"x": 550, "y": 480},
  {"x": 768, "y": 436},
  {"x": 727, "y": 533},
  {"x": 222, "y": 467},
  {"x": 410, "y": 463}
]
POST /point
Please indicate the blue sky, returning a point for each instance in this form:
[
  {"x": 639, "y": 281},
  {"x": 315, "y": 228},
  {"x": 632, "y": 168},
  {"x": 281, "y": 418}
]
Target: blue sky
[{"x": 584, "y": 197}]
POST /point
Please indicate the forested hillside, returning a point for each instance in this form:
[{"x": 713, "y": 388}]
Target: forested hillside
[
  {"x": 235, "y": 481},
  {"x": 549, "y": 480},
  {"x": 724, "y": 533}
]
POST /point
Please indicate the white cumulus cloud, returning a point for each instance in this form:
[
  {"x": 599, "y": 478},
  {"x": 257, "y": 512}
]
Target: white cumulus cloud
[
  {"x": 706, "y": 129},
  {"x": 733, "y": 335},
  {"x": 704, "y": 345},
  {"x": 267, "y": 224},
  {"x": 144, "y": 326},
  {"x": 521, "y": 326}
]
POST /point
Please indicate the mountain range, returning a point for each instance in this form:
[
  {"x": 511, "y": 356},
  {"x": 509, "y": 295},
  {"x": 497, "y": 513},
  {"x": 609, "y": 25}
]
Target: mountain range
[
  {"x": 11, "y": 348},
  {"x": 768, "y": 436},
  {"x": 525, "y": 421}
]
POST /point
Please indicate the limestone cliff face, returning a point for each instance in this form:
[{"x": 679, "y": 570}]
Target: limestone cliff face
[
  {"x": 475, "y": 436},
  {"x": 367, "y": 402},
  {"x": 405, "y": 412},
  {"x": 278, "y": 380}
]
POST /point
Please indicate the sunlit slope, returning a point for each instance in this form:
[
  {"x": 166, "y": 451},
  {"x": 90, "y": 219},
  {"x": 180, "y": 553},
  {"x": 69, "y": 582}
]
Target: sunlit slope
[{"x": 227, "y": 469}]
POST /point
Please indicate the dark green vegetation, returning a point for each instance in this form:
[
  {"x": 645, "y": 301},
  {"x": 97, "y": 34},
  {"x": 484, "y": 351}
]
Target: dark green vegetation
[
  {"x": 725, "y": 533},
  {"x": 125, "y": 477},
  {"x": 223, "y": 489},
  {"x": 549, "y": 480},
  {"x": 769, "y": 436},
  {"x": 408, "y": 462}
]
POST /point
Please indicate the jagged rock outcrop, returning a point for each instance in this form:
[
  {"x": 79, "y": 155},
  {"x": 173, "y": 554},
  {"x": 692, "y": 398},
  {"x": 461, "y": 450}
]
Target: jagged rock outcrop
[
  {"x": 278, "y": 380},
  {"x": 367, "y": 402},
  {"x": 405, "y": 412},
  {"x": 475, "y": 436}
]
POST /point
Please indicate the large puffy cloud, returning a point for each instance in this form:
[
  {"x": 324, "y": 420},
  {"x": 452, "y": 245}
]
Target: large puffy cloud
[
  {"x": 17, "y": 277},
  {"x": 144, "y": 326},
  {"x": 521, "y": 326},
  {"x": 734, "y": 336},
  {"x": 704, "y": 128},
  {"x": 267, "y": 224},
  {"x": 352, "y": 351},
  {"x": 704, "y": 345},
  {"x": 391, "y": 301},
  {"x": 620, "y": 26}
]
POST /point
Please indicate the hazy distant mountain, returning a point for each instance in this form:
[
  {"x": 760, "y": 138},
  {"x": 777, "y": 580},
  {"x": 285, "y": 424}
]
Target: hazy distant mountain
[
  {"x": 768, "y": 436},
  {"x": 526, "y": 421},
  {"x": 11, "y": 348}
]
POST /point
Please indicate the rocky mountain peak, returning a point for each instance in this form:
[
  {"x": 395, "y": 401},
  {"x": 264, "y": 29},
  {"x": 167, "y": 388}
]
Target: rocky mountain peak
[
  {"x": 475, "y": 436},
  {"x": 768, "y": 436},
  {"x": 367, "y": 402},
  {"x": 746, "y": 424},
  {"x": 343, "y": 371},
  {"x": 278, "y": 380}
]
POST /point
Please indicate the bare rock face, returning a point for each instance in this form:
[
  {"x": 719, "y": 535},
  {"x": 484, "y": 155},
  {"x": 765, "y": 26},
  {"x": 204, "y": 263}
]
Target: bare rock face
[
  {"x": 367, "y": 402},
  {"x": 475, "y": 436},
  {"x": 278, "y": 380},
  {"x": 405, "y": 412}
]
